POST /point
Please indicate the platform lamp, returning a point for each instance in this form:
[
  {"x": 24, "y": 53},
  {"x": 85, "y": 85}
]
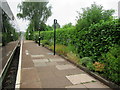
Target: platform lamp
[
  {"x": 55, "y": 22},
  {"x": 39, "y": 36}
]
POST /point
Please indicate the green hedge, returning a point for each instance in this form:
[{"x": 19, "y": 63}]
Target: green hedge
[
  {"x": 89, "y": 43},
  {"x": 64, "y": 37},
  {"x": 93, "y": 43},
  {"x": 98, "y": 39}
]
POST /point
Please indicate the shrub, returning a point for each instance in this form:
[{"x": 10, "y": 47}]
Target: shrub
[
  {"x": 73, "y": 57},
  {"x": 112, "y": 63},
  {"x": 85, "y": 60},
  {"x": 98, "y": 39},
  {"x": 61, "y": 49},
  {"x": 45, "y": 42},
  {"x": 71, "y": 48},
  {"x": 98, "y": 66}
]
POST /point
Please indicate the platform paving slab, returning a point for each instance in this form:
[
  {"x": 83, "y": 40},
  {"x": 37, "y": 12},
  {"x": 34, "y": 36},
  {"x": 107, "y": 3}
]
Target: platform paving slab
[
  {"x": 63, "y": 67},
  {"x": 40, "y": 60},
  {"x": 56, "y": 60},
  {"x": 37, "y": 56},
  {"x": 80, "y": 78},
  {"x": 51, "y": 63},
  {"x": 40, "y": 64}
]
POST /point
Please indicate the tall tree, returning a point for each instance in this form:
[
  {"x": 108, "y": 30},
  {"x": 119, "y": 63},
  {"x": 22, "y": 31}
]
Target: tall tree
[
  {"x": 67, "y": 25},
  {"x": 92, "y": 15},
  {"x": 36, "y": 12}
]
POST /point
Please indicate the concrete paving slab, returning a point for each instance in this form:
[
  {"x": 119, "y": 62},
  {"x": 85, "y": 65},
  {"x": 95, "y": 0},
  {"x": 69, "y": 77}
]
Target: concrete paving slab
[
  {"x": 63, "y": 63},
  {"x": 29, "y": 75},
  {"x": 55, "y": 82},
  {"x": 40, "y": 60},
  {"x": 57, "y": 60},
  {"x": 80, "y": 78},
  {"x": 67, "y": 72},
  {"x": 95, "y": 85},
  {"x": 36, "y": 56},
  {"x": 46, "y": 69},
  {"x": 51, "y": 63},
  {"x": 64, "y": 67},
  {"x": 76, "y": 86},
  {"x": 41, "y": 64},
  {"x": 46, "y": 75},
  {"x": 31, "y": 85}
]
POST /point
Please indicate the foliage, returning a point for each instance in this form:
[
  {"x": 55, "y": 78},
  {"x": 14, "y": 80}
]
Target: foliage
[
  {"x": 72, "y": 56},
  {"x": 36, "y": 12},
  {"x": 61, "y": 49},
  {"x": 112, "y": 63},
  {"x": 71, "y": 48},
  {"x": 92, "y": 15},
  {"x": 63, "y": 37},
  {"x": 8, "y": 31},
  {"x": 85, "y": 60},
  {"x": 48, "y": 28},
  {"x": 45, "y": 42},
  {"x": 67, "y": 25},
  {"x": 99, "y": 66},
  {"x": 98, "y": 39}
]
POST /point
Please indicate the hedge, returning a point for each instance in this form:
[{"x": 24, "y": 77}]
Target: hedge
[{"x": 96, "y": 42}]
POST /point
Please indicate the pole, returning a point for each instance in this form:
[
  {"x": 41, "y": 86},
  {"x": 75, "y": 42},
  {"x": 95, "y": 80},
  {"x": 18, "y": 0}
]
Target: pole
[
  {"x": 55, "y": 22},
  {"x": 39, "y": 36}
]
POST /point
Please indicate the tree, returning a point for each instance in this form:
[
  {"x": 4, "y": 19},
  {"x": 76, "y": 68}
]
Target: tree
[
  {"x": 92, "y": 15},
  {"x": 36, "y": 12},
  {"x": 67, "y": 25}
]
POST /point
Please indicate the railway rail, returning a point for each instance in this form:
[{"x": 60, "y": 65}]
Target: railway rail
[{"x": 10, "y": 76}]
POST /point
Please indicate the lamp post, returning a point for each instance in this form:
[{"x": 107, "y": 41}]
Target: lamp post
[
  {"x": 39, "y": 36},
  {"x": 12, "y": 36},
  {"x": 28, "y": 36},
  {"x": 55, "y": 22}
]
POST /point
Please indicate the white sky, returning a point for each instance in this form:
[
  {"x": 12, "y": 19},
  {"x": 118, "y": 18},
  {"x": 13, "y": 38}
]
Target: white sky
[{"x": 65, "y": 10}]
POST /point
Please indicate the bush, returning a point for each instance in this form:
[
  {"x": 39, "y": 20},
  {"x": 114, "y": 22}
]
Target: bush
[
  {"x": 73, "y": 57},
  {"x": 71, "y": 48},
  {"x": 61, "y": 49},
  {"x": 98, "y": 39},
  {"x": 45, "y": 42},
  {"x": 98, "y": 66},
  {"x": 112, "y": 64},
  {"x": 85, "y": 60}
]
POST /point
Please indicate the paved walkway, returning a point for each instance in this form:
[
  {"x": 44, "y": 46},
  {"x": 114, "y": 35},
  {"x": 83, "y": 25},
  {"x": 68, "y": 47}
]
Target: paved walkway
[{"x": 41, "y": 69}]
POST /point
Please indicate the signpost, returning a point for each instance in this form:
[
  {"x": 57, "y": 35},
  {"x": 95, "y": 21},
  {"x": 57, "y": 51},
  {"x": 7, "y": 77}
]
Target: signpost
[{"x": 55, "y": 22}]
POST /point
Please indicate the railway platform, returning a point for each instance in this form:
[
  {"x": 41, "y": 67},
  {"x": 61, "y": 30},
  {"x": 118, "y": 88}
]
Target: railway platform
[{"x": 41, "y": 69}]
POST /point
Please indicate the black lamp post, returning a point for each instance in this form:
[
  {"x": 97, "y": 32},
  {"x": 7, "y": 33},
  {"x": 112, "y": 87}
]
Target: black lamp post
[
  {"x": 29, "y": 36},
  {"x": 39, "y": 36},
  {"x": 55, "y": 22}
]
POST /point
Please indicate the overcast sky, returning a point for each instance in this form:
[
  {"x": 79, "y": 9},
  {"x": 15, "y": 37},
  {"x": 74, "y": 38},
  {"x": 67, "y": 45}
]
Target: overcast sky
[{"x": 65, "y": 10}]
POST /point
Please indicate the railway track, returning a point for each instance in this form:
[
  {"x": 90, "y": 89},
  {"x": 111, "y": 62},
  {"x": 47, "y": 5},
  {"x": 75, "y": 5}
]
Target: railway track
[{"x": 9, "y": 79}]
